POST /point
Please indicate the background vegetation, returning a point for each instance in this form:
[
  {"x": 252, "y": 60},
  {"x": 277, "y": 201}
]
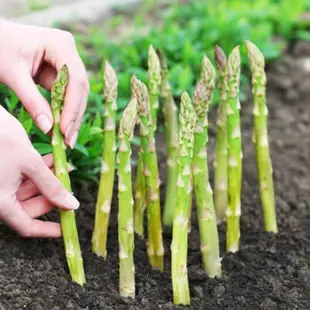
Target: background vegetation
[{"x": 185, "y": 30}]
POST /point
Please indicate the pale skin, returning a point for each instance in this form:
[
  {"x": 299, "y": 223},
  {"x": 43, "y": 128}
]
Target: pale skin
[{"x": 32, "y": 55}]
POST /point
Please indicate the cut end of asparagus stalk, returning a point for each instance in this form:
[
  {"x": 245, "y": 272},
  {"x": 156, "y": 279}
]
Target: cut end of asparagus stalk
[
  {"x": 220, "y": 58},
  {"x": 110, "y": 82},
  {"x": 154, "y": 71}
]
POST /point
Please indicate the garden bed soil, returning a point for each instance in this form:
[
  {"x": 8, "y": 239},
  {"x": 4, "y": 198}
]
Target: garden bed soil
[{"x": 269, "y": 272}]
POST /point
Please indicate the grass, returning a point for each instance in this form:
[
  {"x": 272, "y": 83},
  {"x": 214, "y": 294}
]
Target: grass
[{"x": 185, "y": 32}]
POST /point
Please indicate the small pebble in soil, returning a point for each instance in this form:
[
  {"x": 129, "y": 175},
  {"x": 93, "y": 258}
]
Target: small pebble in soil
[
  {"x": 289, "y": 269},
  {"x": 198, "y": 291},
  {"x": 304, "y": 274},
  {"x": 268, "y": 304},
  {"x": 144, "y": 301},
  {"x": 152, "y": 282},
  {"x": 293, "y": 293},
  {"x": 70, "y": 305},
  {"x": 167, "y": 306},
  {"x": 218, "y": 291},
  {"x": 126, "y": 300},
  {"x": 62, "y": 281},
  {"x": 197, "y": 273},
  {"x": 37, "y": 306},
  {"x": 241, "y": 300}
]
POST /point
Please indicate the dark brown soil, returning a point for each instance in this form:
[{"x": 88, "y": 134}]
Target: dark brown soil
[{"x": 269, "y": 272}]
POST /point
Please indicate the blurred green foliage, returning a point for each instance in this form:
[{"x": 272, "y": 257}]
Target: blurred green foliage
[{"x": 185, "y": 32}]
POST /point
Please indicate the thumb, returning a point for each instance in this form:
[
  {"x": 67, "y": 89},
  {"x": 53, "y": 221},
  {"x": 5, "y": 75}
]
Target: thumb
[
  {"x": 48, "y": 184},
  {"x": 26, "y": 90}
]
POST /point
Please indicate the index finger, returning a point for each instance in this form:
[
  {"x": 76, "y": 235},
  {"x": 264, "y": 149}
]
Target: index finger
[
  {"x": 75, "y": 102},
  {"x": 25, "y": 226}
]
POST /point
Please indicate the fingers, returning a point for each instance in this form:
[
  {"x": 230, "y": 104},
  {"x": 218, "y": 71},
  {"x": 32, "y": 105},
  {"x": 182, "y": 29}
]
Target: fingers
[
  {"x": 46, "y": 76},
  {"x": 28, "y": 189},
  {"x": 33, "y": 101},
  {"x": 37, "y": 206},
  {"x": 19, "y": 220},
  {"x": 47, "y": 183},
  {"x": 77, "y": 91}
]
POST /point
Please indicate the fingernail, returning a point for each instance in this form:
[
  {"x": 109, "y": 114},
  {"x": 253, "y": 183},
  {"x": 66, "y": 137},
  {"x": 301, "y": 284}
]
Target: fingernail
[
  {"x": 69, "y": 130},
  {"x": 44, "y": 124},
  {"x": 73, "y": 139},
  {"x": 72, "y": 201}
]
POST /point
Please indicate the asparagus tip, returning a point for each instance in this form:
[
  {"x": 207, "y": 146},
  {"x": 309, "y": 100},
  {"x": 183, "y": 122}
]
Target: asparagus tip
[
  {"x": 129, "y": 118},
  {"x": 62, "y": 77},
  {"x": 140, "y": 91},
  {"x": 255, "y": 55},
  {"x": 187, "y": 117},
  {"x": 220, "y": 58},
  {"x": 200, "y": 98},
  {"x": 208, "y": 74},
  {"x": 154, "y": 70},
  {"x": 110, "y": 82},
  {"x": 234, "y": 59},
  {"x": 207, "y": 68},
  {"x": 162, "y": 58}
]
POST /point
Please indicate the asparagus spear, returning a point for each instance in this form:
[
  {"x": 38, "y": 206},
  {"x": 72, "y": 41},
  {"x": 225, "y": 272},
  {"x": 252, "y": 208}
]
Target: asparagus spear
[
  {"x": 155, "y": 242},
  {"x": 220, "y": 163},
  {"x": 209, "y": 240},
  {"x": 264, "y": 164},
  {"x": 154, "y": 83},
  {"x": 67, "y": 218},
  {"x": 154, "y": 90},
  {"x": 233, "y": 211},
  {"x": 140, "y": 199},
  {"x": 184, "y": 187},
  {"x": 172, "y": 139},
  {"x": 105, "y": 192},
  {"x": 125, "y": 202}
]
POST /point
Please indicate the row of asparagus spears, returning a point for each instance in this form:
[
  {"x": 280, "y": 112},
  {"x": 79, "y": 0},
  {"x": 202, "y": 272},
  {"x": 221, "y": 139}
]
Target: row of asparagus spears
[{"x": 186, "y": 130}]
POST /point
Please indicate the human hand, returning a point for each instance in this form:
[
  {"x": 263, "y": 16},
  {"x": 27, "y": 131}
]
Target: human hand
[
  {"x": 24, "y": 175},
  {"x": 30, "y": 55}
]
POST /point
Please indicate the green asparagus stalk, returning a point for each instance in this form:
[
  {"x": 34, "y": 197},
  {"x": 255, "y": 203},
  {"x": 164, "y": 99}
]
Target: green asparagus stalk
[
  {"x": 154, "y": 83},
  {"x": 140, "y": 199},
  {"x": 170, "y": 112},
  {"x": 155, "y": 242},
  {"x": 125, "y": 202},
  {"x": 220, "y": 162},
  {"x": 154, "y": 90},
  {"x": 184, "y": 187},
  {"x": 105, "y": 192},
  {"x": 264, "y": 164},
  {"x": 67, "y": 218},
  {"x": 209, "y": 240},
  {"x": 233, "y": 211}
]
